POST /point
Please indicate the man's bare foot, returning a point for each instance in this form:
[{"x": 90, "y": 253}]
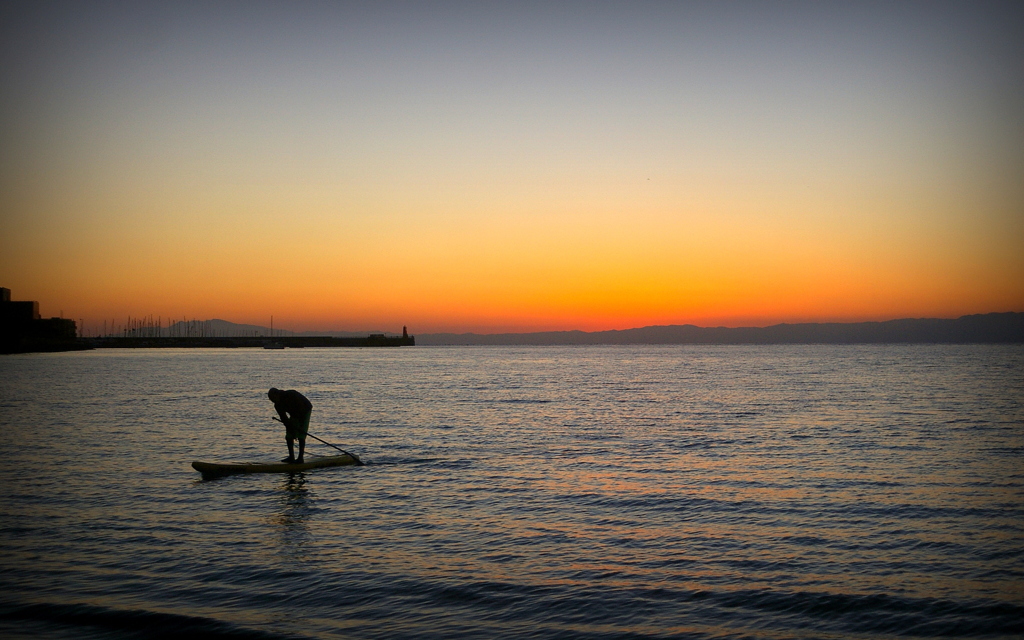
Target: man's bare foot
[{"x": 289, "y": 459}]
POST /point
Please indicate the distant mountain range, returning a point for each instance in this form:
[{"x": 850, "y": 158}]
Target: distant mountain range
[{"x": 982, "y": 328}]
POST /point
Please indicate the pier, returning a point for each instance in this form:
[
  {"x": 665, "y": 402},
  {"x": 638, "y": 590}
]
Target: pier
[
  {"x": 237, "y": 342},
  {"x": 22, "y": 330}
]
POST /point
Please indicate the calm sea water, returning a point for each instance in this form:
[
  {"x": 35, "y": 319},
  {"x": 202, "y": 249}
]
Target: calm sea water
[{"x": 538, "y": 492}]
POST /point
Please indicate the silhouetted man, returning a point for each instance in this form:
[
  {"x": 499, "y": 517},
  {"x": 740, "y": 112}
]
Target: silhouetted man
[{"x": 294, "y": 409}]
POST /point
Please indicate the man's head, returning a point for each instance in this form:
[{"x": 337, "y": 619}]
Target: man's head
[{"x": 273, "y": 394}]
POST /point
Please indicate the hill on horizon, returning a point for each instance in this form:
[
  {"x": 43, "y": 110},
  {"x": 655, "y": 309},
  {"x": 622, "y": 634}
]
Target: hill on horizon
[{"x": 1005, "y": 327}]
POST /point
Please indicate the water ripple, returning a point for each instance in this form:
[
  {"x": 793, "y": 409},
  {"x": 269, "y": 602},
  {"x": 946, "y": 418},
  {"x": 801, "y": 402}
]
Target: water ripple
[{"x": 620, "y": 492}]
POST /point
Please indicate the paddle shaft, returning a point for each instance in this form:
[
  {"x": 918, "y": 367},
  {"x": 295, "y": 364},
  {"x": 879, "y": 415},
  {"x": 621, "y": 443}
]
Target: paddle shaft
[{"x": 354, "y": 457}]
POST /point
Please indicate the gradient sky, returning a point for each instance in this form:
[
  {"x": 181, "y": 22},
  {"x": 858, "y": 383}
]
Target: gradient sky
[{"x": 457, "y": 167}]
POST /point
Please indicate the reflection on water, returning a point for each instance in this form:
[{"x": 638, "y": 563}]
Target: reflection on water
[
  {"x": 820, "y": 491},
  {"x": 294, "y": 515}
]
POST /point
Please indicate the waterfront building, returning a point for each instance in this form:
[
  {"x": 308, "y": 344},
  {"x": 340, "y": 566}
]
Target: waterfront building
[{"x": 22, "y": 329}]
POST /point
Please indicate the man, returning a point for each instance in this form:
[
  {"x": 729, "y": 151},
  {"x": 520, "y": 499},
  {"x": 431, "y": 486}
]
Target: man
[{"x": 294, "y": 409}]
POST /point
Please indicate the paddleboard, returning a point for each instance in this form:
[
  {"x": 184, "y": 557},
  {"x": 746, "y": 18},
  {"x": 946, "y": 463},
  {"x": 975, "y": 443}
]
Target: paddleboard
[{"x": 214, "y": 469}]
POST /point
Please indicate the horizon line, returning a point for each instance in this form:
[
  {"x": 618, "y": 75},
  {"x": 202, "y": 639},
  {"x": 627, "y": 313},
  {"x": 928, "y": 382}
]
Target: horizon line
[
  {"x": 651, "y": 326},
  {"x": 768, "y": 326}
]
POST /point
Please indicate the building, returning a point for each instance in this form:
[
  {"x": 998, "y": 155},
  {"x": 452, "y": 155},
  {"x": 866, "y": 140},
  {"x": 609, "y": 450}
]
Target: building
[{"x": 23, "y": 330}]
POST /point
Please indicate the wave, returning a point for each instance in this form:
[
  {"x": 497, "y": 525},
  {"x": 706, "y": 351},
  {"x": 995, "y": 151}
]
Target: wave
[
  {"x": 884, "y": 613},
  {"x": 595, "y": 612},
  {"x": 132, "y": 622}
]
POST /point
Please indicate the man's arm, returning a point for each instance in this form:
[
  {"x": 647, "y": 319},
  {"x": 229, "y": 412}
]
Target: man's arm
[{"x": 285, "y": 418}]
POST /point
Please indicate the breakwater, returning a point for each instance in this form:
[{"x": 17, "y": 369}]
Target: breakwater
[{"x": 232, "y": 342}]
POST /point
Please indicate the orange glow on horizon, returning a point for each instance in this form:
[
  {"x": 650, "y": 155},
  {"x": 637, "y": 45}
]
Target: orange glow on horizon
[{"x": 455, "y": 184}]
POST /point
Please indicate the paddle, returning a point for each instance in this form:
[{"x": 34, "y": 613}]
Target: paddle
[{"x": 359, "y": 463}]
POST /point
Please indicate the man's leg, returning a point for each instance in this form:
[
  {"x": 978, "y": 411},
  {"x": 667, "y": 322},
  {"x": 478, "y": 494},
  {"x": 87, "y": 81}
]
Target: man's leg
[
  {"x": 291, "y": 452},
  {"x": 300, "y": 432}
]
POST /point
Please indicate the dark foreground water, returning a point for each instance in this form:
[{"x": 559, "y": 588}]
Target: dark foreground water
[{"x": 545, "y": 492}]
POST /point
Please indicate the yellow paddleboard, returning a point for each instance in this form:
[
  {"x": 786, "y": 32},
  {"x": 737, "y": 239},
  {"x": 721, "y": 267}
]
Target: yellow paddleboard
[{"x": 214, "y": 469}]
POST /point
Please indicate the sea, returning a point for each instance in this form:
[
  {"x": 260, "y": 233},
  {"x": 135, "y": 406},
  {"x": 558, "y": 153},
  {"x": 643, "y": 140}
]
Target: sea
[{"x": 595, "y": 492}]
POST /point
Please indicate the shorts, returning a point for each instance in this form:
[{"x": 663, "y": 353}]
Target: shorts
[{"x": 299, "y": 427}]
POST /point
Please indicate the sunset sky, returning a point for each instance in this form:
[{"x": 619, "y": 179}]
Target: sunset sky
[{"x": 512, "y": 167}]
